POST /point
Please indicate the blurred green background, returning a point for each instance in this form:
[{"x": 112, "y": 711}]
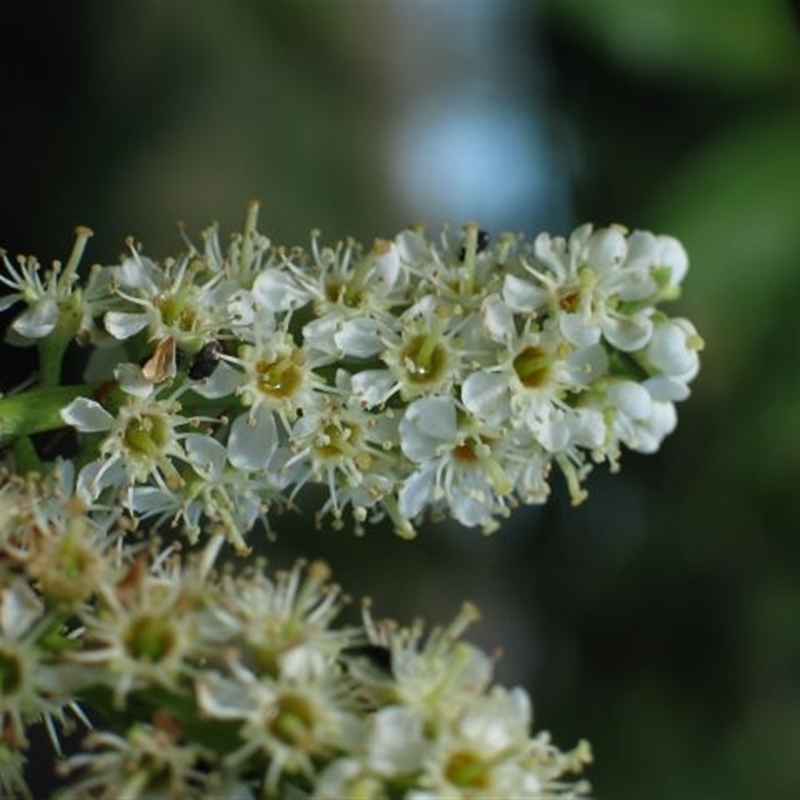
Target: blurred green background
[{"x": 661, "y": 619}]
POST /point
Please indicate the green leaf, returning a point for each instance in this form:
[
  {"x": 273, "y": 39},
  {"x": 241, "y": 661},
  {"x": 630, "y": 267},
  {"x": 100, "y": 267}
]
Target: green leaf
[
  {"x": 738, "y": 46},
  {"x": 735, "y": 206}
]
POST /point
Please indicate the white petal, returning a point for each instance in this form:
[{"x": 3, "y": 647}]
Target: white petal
[
  {"x": 627, "y": 333},
  {"x": 241, "y": 308},
  {"x": 221, "y": 697},
  {"x": 498, "y": 319},
  {"x": 632, "y": 285},
  {"x": 360, "y": 338},
  {"x": 206, "y": 455},
  {"x": 222, "y": 382},
  {"x": 373, "y": 386},
  {"x": 606, "y": 249},
  {"x": 588, "y": 364},
  {"x": 88, "y": 416},
  {"x": 577, "y": 329},
  {"x": 630, "y": 399},
  {"x": 412, "y": 247},
  {"x": 552, "y": 252},
  {"x": 552, "y": 431},
  {"x": 38, "y": 321},
  {"x": 426, "y": 425},
  {"x": 278, "y": 291},
  {"x": 416, "y": 492},
  {"x": 140, "y": 273},
  {"x": 386, "y": 268},
  {"x": 132, "y": 380},
  {"x": 396, "y": 744},
  {"x": 661, "y": 422},
  {"x": 148, "y": 500},
  {"x": 523, "y": 296},
  {"x": 123, "y": 325},
  {"x": 672, "y": 254},
  {"x": 587, "y": 427},
  {"x": 666, "y": 389},
  {"x": 670, "y": 348},
  {"x": 433, "y": 416},
  {"x": 252, "y": 442},
  {"x": 485, "y": 394},
  {"x": 642, "y": 248},
  {"x": 471, "y": 501},
  {"x": 577, "y": 243},
  {"x": 97, "y": 475},
  {"x": 319, "y": 333},
  {"x": 9, "y": 300},
  {"x": 20, "y": 609}
]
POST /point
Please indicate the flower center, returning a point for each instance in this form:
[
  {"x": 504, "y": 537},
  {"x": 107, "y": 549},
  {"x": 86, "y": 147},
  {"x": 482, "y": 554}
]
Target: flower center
[
  {"x": 282, "y": 377},
  {"x": 532, "y": 366},
  {"x": 147, "y": 435},
  {"x": 175, "y": 312},
  {"x": 293, "y": 720},
  {"x": 424, "y": 360},
  {"x": 10, "y": 673},
  {"x": 150, "y": 638},
  {"x": 338, "y": 441},
  {"x": 465, "y": 769},
  {"x": 465, "y": 452},
  {"x": 568, "y": 301}
]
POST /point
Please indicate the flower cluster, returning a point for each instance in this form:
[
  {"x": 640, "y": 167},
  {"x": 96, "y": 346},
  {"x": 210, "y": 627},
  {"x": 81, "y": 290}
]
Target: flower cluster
[
  {"x": 217, "y": 683},
  {"x": 446, "y": 376}
]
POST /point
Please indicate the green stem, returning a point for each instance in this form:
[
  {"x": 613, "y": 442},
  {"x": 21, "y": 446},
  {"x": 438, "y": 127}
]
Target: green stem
[
  {"x": 25, "y": 456},
  {"x": 51, "y": 356},
  {"x": 37, "y": 410}
]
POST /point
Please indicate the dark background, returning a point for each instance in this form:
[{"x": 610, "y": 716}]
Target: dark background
[{"x": 661, "y": 619}]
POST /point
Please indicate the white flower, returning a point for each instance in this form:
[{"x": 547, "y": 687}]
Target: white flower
[
  {"x": 32, "y": 688},
  {"x": 51, "y": 301},
  {"x": 420, "y": 354},
  {"x": 174, "y": 299},
  {"x": 146, "y": 762},
  {"x": 353, "y": 295},
  {"x": 593, "y": 288},
  {"x": 635, "y": 418},
  {"x": 217, "y": 497},
  {"x": 344, "y": 447},
  {"x": 434, "y": 674},
  {"x": 672, "y": 357},
  {"x": 664, "y": 257},
  {"x": 534, "y": 374},
  {"x": 458, "y": 467},
  {"x": 141, "y": 443},
  {"x": 461, "y": 269},
  {"x": 276, "y": 374}
]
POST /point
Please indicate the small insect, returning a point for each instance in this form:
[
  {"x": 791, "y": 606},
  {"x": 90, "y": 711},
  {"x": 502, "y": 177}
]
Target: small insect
[
  {"x": 376, "y": 656},
  {"x": 482, "y": 244},
  {"x": 161, "y": 365},
  {"x": 206, "y": 361}
]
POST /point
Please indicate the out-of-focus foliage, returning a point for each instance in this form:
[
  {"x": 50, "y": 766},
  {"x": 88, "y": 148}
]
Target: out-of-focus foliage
[
  {"x": 734, "y": 47},
  {"x": 690, "y": 655}
]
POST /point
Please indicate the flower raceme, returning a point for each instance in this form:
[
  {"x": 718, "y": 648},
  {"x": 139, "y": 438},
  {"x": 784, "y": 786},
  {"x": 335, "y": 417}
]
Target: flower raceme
[
  {"x": 215, "y": 682},
  {"x": 444, "y": 376},
  {"x": 413, "y": 377}
]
